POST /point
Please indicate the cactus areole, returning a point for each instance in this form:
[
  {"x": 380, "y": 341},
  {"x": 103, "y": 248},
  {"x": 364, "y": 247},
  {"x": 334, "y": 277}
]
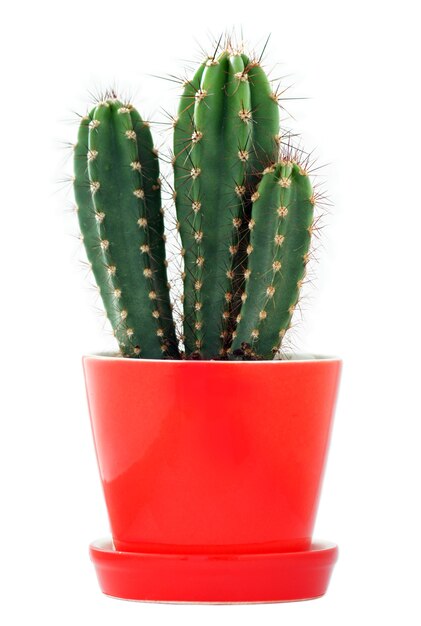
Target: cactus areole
[{"x": 211, "y": 439}]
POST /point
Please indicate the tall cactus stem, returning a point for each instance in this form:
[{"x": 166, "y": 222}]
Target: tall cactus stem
[{"x": 123, "y": 249}]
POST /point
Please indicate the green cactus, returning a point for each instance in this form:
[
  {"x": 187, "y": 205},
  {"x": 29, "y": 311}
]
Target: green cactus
[
  {"x": 119, "y": 209},
  {"x": 244, "y": 213},
  {"x": 281, "y": 226},
  {"x": 225, "y": 135}
]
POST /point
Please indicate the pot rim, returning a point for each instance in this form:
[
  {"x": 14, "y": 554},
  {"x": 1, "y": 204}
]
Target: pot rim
[{"x": 290, "y": 358}]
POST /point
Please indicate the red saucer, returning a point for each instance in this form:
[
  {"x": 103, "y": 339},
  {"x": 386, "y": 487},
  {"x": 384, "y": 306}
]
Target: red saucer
[{"x": 275, "y": 577}]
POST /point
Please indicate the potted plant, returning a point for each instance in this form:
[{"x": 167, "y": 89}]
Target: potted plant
[{"x": 211, "y": 444}]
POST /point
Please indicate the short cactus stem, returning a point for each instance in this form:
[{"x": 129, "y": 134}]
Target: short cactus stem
[{"x": 280, "y": 241}]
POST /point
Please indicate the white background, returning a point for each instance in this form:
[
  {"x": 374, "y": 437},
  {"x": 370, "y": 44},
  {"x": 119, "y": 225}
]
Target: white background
[{"x": 359, "y": 64}]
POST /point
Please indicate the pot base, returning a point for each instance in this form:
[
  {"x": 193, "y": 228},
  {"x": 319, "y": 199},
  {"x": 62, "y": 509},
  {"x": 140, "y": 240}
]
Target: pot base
[{"x": 208, "y": 578}]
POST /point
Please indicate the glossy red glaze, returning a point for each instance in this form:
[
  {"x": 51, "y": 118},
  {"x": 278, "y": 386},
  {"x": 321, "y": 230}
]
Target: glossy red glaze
[
  {"x": 211, "y": 457},
  {"x": 274, "y": 577}
]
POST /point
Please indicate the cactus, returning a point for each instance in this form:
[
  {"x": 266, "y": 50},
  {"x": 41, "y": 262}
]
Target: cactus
[
  {"x": 281, "y": 227},
  {"x": 225, "y": 135},
  {"x": 244, "y": 210},
  {"x": 119, "y": 209}
]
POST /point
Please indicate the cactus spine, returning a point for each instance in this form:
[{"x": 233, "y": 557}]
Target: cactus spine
[
  {"x": 224, "y": 137},
  {"x": 281, "y": 227},
  {"x": 119, "y": 209}
]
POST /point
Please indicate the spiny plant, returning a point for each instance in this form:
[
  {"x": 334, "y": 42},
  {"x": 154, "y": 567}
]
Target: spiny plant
[
  {"x": 225, "y": 134},
  {"x": 244, "y": 208},
  {"x": 118, "y": 197}
]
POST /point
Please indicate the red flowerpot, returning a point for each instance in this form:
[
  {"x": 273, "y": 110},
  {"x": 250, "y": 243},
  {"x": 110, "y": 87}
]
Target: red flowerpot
[{"x": 210, "y": 461}]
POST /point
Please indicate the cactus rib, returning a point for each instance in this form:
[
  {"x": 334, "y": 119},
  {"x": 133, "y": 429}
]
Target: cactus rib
[
  {"x": 264, "y": 149},
  {"x": 188, "y": 208},
  {"x": 88, "y": 222},
  {"x": 151, "y": 184}
]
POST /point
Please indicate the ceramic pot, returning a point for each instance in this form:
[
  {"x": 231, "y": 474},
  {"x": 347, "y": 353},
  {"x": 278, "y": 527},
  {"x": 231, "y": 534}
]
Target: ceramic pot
[{"x": 211, "y": 457}]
